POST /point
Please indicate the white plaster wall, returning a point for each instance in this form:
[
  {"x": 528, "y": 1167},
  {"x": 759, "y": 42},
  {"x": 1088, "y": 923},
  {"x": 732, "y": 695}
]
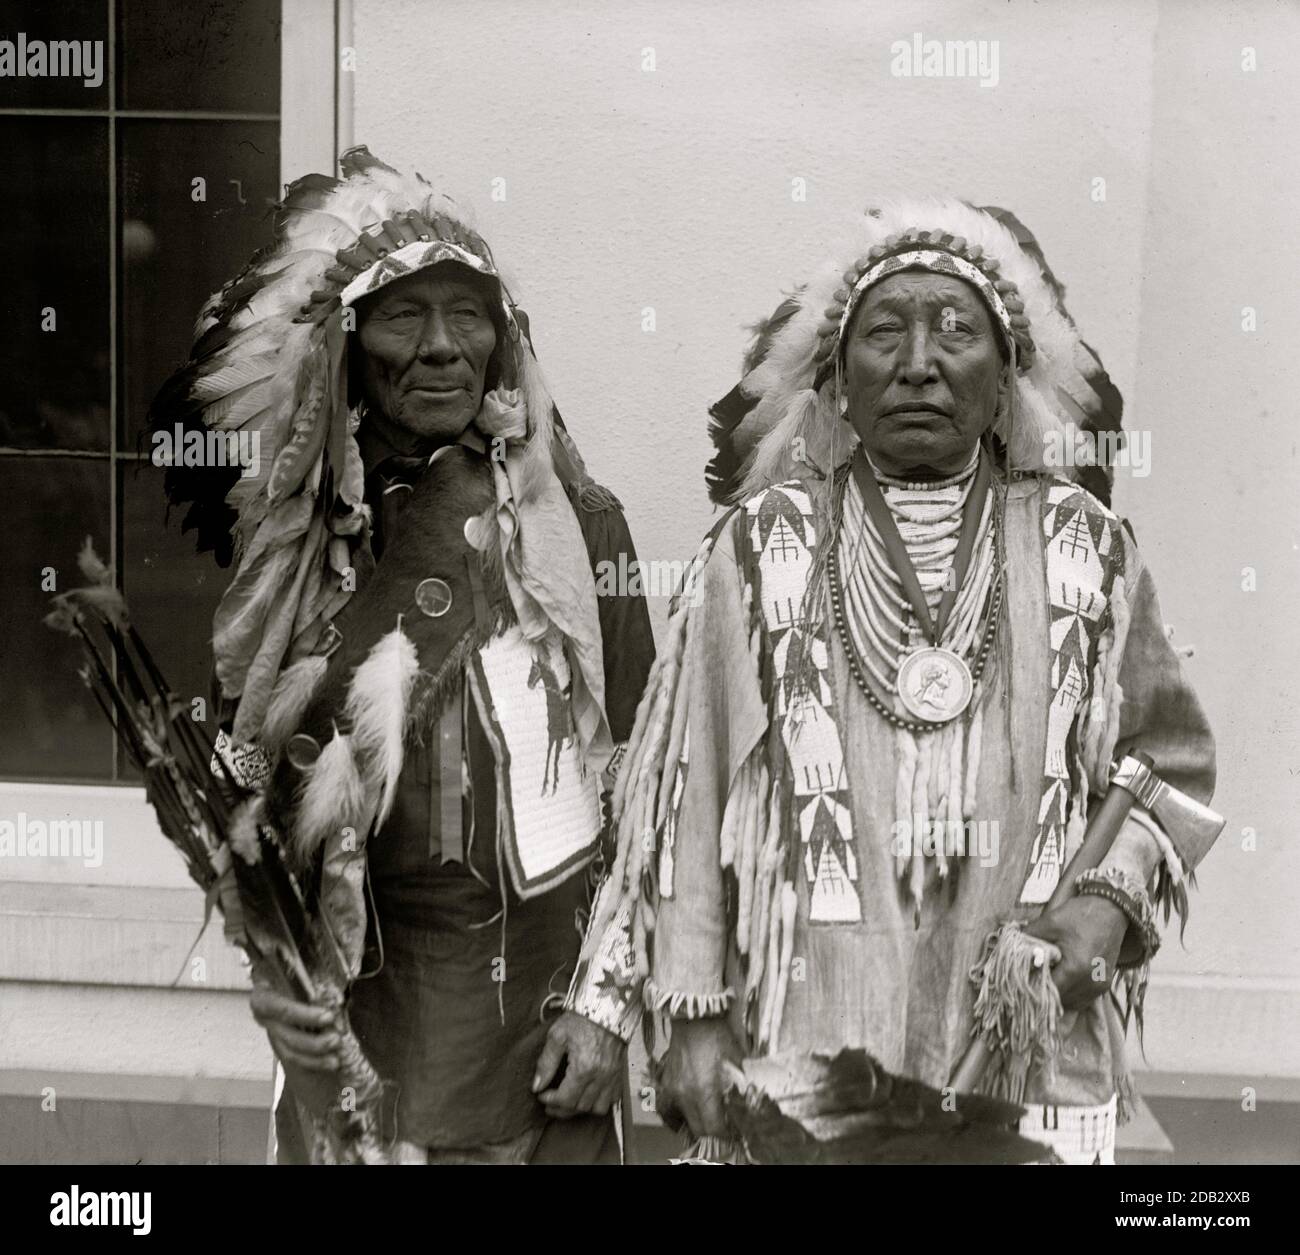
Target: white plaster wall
[
  {"x": 672, "y": 189},
  {"x": 1222, "y": 495}
]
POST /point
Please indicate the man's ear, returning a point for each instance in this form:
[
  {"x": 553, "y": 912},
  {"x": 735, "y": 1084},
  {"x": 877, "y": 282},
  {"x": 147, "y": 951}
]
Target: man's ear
[{"x": 1005, "y": 383}]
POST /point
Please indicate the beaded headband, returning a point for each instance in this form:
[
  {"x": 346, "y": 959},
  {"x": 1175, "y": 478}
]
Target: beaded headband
[
  {"x": 397, "y": 247},
  {"x": 941, "y": 253}
]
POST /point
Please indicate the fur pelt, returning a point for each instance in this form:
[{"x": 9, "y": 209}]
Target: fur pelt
[
  {"x": 377, "y": 686},
  {"x": 334, "y": 796},
  {"x": 376, "y": 711},
  {"x": 289, "y": 700}
]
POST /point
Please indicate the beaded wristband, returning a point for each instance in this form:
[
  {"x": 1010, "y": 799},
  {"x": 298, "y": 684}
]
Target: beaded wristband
[{"x": 1127, "y": 892}]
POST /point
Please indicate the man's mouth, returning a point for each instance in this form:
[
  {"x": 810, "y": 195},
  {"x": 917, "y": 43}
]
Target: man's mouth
[
  {"x": 439, "y": 390},
  {"x": 917, "y": 407}
]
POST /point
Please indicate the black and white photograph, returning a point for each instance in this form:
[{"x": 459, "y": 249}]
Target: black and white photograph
[{"x": 650, "y": 583}]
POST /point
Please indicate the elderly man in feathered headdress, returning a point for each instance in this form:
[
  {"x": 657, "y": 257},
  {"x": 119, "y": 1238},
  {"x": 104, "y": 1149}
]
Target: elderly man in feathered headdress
[
  {"x": 909, "y": 657},
  {"x": 413, "y": 658}
]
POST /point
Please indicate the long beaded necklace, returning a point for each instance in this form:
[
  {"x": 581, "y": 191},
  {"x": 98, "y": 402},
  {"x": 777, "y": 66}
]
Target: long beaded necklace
[{"x": 880, "y": 628}]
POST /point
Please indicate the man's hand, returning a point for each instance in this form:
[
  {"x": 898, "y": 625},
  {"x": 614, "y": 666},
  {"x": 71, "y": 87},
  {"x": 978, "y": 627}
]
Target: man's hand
[
  {"x": 301, "y": 1034},
  {"x": 583, "y": 1066},
  {"x": 1088, "y": 931},
  {"x": 693, "y": 1081}
]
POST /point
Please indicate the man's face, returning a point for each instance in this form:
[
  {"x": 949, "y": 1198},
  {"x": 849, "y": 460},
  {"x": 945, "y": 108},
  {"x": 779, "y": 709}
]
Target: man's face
[
  {"x": 923, "y": 373},
  {"x": 426, "y": 341}
]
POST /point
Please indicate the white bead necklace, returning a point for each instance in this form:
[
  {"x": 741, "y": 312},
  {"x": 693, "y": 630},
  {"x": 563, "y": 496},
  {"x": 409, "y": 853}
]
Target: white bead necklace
[{"x": 881, "y": 622}]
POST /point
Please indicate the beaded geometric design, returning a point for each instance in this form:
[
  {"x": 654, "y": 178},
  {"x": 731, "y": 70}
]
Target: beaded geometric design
[
  {"x": 1084, "y": 552},
  {"x": 934, "y": 250},
  {"x": 247, "y": 762},
  {"x": 781, "y": 529}
]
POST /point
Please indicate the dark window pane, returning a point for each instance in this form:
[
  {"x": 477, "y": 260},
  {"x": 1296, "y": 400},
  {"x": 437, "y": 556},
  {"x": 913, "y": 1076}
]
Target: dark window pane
[
  {"x": 54, "y": 256},
  {"x": 176, "y": 251},
  {"x": 171, "y": 590},
  {"x": 207, "y": 54},
  {"x": 78, "y": 29},
  {"x": 52, "y": 728}
]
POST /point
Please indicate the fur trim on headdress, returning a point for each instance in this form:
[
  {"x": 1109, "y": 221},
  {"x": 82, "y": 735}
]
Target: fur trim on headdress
[{"x": 779, "y": 431}]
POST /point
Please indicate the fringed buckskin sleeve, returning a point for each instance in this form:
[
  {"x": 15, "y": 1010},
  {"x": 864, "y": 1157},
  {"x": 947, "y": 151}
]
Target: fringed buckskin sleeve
[
  {"x": 725, "y": 718},
  {"x": 1160, "y": 715},
  {"x": 605, "y": 988}
]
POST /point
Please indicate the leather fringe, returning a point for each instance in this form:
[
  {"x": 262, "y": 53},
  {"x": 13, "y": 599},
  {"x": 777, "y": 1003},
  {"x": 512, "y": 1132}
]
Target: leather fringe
[
  {"x": 434, "y": 691},
  {"x": 686, "y": 1006},
  {"x": 591, "y": 497},
  {"x": 646, "y": 771},
  {"x": 1017, "y": 1010}
]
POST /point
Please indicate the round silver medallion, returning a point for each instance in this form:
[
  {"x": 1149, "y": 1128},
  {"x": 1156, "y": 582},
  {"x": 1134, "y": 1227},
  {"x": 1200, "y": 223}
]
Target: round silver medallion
[
  {"x": 433, "y": 596},
  {"x": 934, "y": 684}
]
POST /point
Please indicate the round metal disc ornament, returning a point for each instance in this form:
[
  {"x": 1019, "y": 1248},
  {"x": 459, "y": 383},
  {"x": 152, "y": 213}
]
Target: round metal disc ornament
[
  {"x": 302, "y": 751},
  {"x": 934, "y": 684},
  {"x": 433, "y": 596}
]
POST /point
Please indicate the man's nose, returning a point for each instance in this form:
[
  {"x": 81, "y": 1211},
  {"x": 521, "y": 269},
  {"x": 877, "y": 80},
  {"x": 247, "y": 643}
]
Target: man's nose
[
  {"x": 918, "y": 357},
  {"x": 437, "y": 344}
]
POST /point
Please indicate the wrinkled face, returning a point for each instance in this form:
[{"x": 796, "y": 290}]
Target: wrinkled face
[
  {"x": 427, "y": 340},
  {"x": 923, "y": 371}
]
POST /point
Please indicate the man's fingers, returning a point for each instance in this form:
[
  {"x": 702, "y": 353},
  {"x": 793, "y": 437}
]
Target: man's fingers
[
  {"x": 548, "y": 1062},
  {"x": 585, "y": 1103},
  {"x": 715, "y": 1124},
  {"x": 308, "y": 1062},
  {"x": 690, "y": 1112},
  {"x": 669, "y": 1110},
  {"x": 731, "y": 1074},
  {"x": 271, "y": 1007},
  {"x": 596, "y": 1100},
  {"x": 326, "y": 1066},
  {"x": 306, "y": 1044},
  {"x": 310, "y": 1065},
  {"x": 1046, "y": 950},
  {"x": 703, "y": 1112},
  {"x": 562, "y": 1101},
  {"x": 607, "y": 1097}
]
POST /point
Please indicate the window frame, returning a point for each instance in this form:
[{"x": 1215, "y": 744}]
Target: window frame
[{"x": 315, "y": 125}]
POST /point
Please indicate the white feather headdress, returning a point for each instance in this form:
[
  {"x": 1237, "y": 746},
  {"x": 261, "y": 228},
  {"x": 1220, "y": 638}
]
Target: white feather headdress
[
  {"x": 270, "y": 363},
  {"x": 783, "y": 414}
]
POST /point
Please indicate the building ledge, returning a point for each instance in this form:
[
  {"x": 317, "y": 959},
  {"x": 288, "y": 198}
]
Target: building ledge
[{"x": 114, "y": 935}]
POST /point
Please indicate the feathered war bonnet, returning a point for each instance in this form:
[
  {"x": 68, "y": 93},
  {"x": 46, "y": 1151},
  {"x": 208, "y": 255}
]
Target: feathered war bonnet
[
  {"x": 270, "y": 359},
  {"x": 783, "y": 417}
]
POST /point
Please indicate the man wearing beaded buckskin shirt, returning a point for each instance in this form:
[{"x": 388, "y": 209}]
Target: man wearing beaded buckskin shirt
[{"x": 907, "y": 630}]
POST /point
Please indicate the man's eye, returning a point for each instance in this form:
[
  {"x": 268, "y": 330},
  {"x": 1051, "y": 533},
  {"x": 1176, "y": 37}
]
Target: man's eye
[
  {"x": 884, "y": 329},
  {"x": 468, "y": 311},
  {"x": 392, "y": 314}
]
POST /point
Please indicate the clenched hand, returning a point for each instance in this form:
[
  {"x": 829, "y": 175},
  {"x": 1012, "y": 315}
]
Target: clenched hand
[
  {"x": 589, "y": 1063},
  {"x": 1088, "y": 932},
  {"x": 301, "y": 1034},
  {"x": 694, "y": 1076}
]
